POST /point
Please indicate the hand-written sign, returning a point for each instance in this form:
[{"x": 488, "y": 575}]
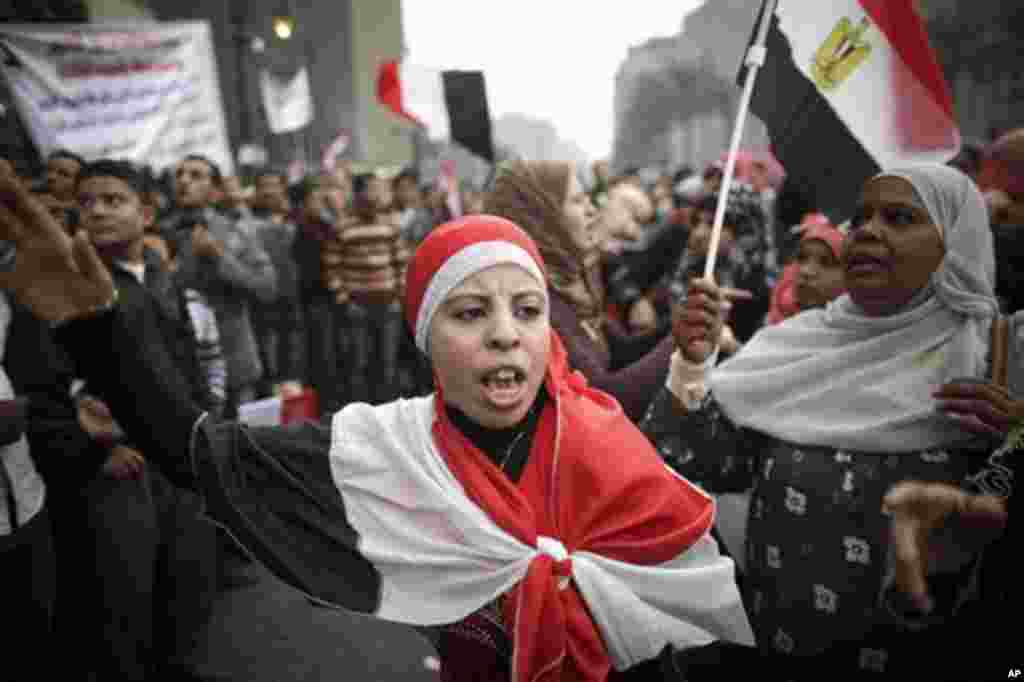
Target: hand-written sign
[{"x": 147, "y": 93}]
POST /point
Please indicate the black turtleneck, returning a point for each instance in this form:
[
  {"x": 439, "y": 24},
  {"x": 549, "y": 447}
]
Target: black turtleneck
[{"x": 496, "y": 443}]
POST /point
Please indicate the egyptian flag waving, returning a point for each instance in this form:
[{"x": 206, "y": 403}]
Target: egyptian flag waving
[
  {"x": 850, "y": 87},
  {"x": 450, "y": 105}
]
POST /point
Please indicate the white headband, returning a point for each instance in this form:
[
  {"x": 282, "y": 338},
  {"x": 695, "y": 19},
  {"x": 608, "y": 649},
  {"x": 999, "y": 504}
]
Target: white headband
[{"x": 463, "y": 264}]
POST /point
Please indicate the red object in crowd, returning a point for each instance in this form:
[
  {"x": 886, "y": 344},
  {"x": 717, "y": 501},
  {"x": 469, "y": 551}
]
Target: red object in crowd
[
  {"x": 783, "y": 302},
  {"x": 303, "y": 406}
]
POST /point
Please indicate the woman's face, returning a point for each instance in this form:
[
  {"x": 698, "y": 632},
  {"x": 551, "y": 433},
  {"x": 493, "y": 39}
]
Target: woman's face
[
  {"x": 820, "y": 275},
  {"x": 578, "y": 214},
  {"x": 892, "y": 249},
  {"x": 489, "y": 345}
]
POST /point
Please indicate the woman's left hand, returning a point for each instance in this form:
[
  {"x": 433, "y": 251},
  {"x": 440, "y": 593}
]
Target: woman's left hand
[
  {"x": 918, "y": 510},
  {"x": 980, "y": 407}
]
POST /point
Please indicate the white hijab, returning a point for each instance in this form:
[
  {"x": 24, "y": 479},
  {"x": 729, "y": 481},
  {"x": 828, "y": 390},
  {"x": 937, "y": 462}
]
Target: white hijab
[{"x": 836, "y": 377}]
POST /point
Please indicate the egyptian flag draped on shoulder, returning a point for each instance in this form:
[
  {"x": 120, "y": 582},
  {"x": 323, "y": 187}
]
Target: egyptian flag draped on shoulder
[
  {"x": 850, "y": 87},
  {"x": 602, "y": 553},
  {"x": 449, "y": 105}
]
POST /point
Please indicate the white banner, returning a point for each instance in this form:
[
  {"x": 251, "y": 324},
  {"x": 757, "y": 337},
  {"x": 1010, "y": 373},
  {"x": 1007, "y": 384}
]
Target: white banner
[
  {"x": 146, "y": 93},
  {"x": 289, "y": 104}
]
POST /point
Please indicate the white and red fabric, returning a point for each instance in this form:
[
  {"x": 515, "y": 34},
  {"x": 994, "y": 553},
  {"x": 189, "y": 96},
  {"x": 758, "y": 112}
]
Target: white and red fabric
[
  {"x": 603, "y": 553},
  {"x": 415, "y": 93},
  {"x": 450, "y": 105},
  {"x": 454, "y": 251},
  {"x": 448, "y": 180},
  {"x": 337, "y": 147}
]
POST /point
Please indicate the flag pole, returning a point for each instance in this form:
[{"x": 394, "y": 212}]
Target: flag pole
[{"x": 754, "y": 61}]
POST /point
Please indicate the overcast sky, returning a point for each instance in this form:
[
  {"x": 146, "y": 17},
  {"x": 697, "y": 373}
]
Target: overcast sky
[{"x": 551, "y": 59}]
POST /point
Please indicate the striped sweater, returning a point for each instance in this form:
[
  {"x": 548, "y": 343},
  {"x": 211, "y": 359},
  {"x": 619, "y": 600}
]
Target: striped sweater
[{"x": 365, "y": 261}]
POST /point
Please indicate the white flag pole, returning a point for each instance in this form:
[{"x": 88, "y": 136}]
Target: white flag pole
[{"x": 754, "y": 61}]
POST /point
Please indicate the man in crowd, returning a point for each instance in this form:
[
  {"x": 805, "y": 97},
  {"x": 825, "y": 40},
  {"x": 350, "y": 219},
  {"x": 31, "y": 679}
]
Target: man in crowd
[
  {"x": 365, "y": 266},
  {"x": 225, "y": 261},
  {"x": 62, "y": 169},
  {"x": 234, "y": 200},
  {"x": 155, "y": 567},
  {"x": 279, "y": 325},
  {"x": 416, "y": 219},
  {"x": 319, "y": 213},
  {"x": 58, "y": 190}
]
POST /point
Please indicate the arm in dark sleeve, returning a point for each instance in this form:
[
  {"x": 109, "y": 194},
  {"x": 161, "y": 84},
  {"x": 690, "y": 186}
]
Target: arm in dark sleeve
[
  {"x": 628, "y": 348},
  {"x": 635, "y": 272},
  {"x": 246, "y": 266},
  {"x": 271, "y": 488},
  {"x": 126, "y": 364},
  {"x": 633, "y": 386},
  {"x": 41, "y": 372},
  {"x": 703, "y": 444}
]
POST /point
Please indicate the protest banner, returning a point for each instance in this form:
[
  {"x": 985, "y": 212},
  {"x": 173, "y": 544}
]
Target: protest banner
[{"x": 146, "y": 93}]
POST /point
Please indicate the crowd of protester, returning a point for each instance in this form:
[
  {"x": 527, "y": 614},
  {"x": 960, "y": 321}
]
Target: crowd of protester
[{"x": 255, "y": 287}]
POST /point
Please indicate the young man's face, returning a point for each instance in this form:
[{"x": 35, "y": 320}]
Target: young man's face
[
  {"x": 193, "y": 184},
  {"x": 270, "y": 194},
  {"x": 378, "y": 194},
  {"x": 407, "y": 193},
  {"x": 234, "y": 193},
  {"x": 315, "y": 203},
  {"x": 61, "y": 176},
  {"x": 112, "y": 213}
]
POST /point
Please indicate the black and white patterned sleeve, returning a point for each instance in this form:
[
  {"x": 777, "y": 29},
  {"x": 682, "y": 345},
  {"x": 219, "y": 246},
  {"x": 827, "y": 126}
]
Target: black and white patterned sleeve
[{"x": 702, "y": 444}]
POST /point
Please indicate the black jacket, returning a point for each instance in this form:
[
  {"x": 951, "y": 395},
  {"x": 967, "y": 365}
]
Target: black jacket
[{"x": 161, "y": 293}]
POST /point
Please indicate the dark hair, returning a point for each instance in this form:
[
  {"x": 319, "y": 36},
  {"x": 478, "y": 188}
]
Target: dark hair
[
  {"x": 361, "y": 182},
  {"x": 407, "y": 174},
  {"x": 743, "y": 211},
  {"x": 682, "y": 174},
  {"x": 712, "y": 170},
  {"x": 66, "y": 154},
  {"x": 298, "y": 191},
  {"x": 215, "y": 173},
  {"x": 125, "y": 171},
  {"x": 270, "y": 172}
]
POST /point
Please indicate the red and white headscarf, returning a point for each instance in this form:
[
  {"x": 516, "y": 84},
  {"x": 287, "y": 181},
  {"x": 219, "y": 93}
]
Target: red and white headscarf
[
  {"x": 601, "y": 553},
  {"x": 455, "y": 251}
]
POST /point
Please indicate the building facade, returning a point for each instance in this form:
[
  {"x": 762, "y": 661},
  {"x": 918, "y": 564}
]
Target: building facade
[
  {"x": 981, "y": 48},
  {"x": 676, "y": 97}
]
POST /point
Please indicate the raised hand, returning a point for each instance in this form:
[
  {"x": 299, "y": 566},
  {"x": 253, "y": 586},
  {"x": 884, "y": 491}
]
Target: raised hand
[
  {"x": 56, "y": 276},
  {"x": 697, "y": 324},
  {"x": 124, "y": 463},
  {"x": 204, "y": 244},
  {"x": 918, "y": 511}
]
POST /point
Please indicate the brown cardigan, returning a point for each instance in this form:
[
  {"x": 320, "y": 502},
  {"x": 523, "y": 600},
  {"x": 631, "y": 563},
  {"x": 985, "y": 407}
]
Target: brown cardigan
[{"x": 632, "y": 369}]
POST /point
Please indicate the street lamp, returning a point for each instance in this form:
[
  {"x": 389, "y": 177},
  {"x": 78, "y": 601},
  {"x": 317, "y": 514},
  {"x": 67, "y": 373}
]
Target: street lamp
[{"x": 284, "y": 26}]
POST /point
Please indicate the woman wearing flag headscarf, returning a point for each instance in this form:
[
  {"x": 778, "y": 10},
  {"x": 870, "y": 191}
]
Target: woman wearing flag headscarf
[
  {"x": 515, "y": 492},
  {"x": 826, "y": 411},
  {"x": 545, "y": 198},
  {"x": 815, "y": 277}
]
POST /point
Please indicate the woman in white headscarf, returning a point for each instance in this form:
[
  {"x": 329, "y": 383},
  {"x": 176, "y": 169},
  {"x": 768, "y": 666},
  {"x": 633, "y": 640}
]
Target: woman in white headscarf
[{"x": 822, "y": 414}]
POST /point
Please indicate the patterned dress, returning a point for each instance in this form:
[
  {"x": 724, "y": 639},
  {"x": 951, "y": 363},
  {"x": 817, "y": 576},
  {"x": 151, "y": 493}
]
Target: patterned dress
[{"x": 817, "y": 541}]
